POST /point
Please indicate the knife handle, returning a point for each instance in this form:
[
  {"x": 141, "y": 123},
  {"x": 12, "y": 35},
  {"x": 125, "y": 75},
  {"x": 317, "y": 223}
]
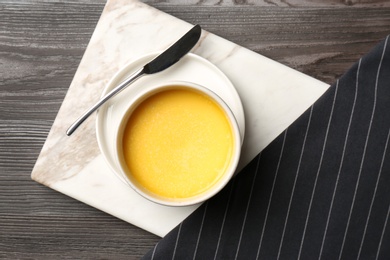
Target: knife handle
[{"x": 133, "y": 77}]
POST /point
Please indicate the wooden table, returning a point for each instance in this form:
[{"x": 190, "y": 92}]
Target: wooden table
[{"x": 41, "y": 44}]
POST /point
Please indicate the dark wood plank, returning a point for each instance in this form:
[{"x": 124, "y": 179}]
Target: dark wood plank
[
  {"x": 284, "y": 3},
  {"x": 41, "y": 44},
  {"x": 321, "y": 42}
]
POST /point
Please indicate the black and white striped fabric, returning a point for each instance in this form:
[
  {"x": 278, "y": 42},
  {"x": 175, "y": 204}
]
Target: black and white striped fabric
[{"x": 321, "y": 190}]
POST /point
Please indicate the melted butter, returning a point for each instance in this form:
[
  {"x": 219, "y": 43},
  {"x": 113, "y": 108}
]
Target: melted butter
[{"x": 178, "y": 143}]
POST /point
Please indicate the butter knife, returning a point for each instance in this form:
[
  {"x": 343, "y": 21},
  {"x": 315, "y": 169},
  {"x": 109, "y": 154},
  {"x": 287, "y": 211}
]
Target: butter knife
[{"x": 163, "y": 61}]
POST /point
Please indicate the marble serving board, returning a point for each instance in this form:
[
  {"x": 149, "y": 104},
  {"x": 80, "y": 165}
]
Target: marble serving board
[{"x": 273, "y": 96}]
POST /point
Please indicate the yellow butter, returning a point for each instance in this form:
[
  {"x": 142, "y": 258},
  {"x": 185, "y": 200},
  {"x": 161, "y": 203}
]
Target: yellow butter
[{"x": 178, "y": 143}]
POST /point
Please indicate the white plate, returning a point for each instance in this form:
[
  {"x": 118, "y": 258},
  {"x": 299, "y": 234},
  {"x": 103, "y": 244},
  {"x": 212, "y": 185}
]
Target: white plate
[{"x": 190, "y": 68}]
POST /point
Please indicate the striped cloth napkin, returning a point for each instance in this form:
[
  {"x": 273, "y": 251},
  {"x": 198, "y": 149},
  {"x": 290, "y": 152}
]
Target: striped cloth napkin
[{"x": 321, "y": 190}]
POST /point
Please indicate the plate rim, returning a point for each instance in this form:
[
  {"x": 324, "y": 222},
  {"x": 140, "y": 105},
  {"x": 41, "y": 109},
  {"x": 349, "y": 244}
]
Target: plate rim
[{"x": 128, "y": 68}]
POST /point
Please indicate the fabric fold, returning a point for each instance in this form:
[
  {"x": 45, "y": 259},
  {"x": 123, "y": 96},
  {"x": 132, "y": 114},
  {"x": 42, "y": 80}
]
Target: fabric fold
[{"x": 320, "y": 190}]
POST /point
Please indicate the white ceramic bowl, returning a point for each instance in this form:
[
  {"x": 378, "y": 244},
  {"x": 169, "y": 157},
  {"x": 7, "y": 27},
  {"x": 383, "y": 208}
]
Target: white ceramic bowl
[{"x": 216, "y": 187}]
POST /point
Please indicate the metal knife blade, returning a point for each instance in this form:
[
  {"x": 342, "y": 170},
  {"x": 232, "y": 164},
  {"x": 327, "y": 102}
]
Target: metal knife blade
[
  {"x": 163, "y": 61},
  {"x": 174, "y": 53}
]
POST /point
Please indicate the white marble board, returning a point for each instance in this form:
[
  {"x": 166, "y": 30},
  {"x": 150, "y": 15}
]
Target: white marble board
[{"x": 273, "y": 96}]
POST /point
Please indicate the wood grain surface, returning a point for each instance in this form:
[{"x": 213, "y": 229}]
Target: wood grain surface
[{"x": 41, "y": 45}]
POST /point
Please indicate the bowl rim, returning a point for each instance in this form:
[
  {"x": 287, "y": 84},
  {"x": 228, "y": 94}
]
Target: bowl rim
[{"x": 216, "y": 187}]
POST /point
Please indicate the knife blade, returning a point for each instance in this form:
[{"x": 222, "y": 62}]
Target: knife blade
[{"x": 163, "y": 61}]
